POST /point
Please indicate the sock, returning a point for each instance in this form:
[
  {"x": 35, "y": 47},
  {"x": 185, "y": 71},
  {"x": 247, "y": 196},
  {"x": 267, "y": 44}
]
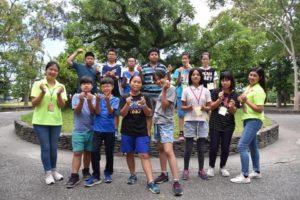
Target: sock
[{"x": 176, "y": 180}]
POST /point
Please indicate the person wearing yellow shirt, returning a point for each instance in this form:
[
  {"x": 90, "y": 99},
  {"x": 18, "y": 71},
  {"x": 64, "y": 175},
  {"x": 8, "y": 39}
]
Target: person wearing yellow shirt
[{"x": 48, "y": 98}]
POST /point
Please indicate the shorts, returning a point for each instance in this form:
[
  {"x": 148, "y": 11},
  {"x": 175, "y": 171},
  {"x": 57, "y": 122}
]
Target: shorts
[
  {"x": 180, "y": 112},
  {"x": 198, "y": 129},
  {"x": 164, "y": 133},
  {"x": 82, "y": 141},
  {"x": 136, "y": 144}
]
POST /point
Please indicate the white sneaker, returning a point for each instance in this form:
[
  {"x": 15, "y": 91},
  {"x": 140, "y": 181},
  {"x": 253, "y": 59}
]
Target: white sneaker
[
  {"x": 240, "y": 179},
  {"x": 49, "y": 178},
  {"x": 254, "y": 174},
  {"x": 57, "y": 176},
  {"x": 224, "y": 172},
  {"x": 211, "y": 172}
]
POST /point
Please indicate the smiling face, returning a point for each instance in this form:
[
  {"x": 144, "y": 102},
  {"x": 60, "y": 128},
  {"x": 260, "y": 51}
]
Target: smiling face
[
  {"x": 226, "y": 83},
  {"x": 52, "y": 72},
  {"x": 136, "y": 84},
  {"x": 253, "y": 78},
  {"x": 195, "y": 78},
  {"x": 185, "y": 60},
  {"x": 159, "y": 81},
  {"x": 107, "y": 89},
  {"x": 86, "y": 87}
]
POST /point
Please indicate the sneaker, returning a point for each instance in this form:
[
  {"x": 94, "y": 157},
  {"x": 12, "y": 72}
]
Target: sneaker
[
  {"x": 185, "y": 175},
  {"x": 254, "y": 174},
  {"x": 202, "y": 174},
  {"x": 181, "y": 137},
  {"x": 163, "y": 177},
  {"x": 224, "y": 172},
  {"x": 107, "y": 178},
  {"x": 57, "y": 176},
  {"x": 153, "y": 187},
  {"x": 240, "y": 179},
  {"x": 73, "y": 181},
  {"x": 177, "y": 190},
  {"x": 91, "y": 181},
  {"x": 116, "y": 134},
  {"x": 131, "y": 180},
  {"x": 86, "y": 173},
  {"x": 211, "y": 172},
  {"x": 49, "y": 178}
]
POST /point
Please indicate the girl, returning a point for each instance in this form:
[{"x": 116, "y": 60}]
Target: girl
[
  {"x": 164, "y": 127},
  {"x": 196, "y": 102},
  {"x": 209, "y": 74},
  {"x": 134, "y": 109},
  {"x": 221, "y": 123},
  {"x": 48, "y": 98},
  {"x": 253, "y": 100}
]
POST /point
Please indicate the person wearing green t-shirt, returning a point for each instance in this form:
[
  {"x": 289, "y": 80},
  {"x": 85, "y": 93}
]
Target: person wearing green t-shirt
[
  {"x": 48, "y": 98},
  {"x": 253, "y": 100}
]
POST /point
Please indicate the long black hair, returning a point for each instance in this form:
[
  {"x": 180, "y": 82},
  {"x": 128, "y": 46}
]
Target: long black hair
[
  {"x": 201, "y": 75},
  {"x": 227, "y": 75},
  {"x": 261, "y": 74}
]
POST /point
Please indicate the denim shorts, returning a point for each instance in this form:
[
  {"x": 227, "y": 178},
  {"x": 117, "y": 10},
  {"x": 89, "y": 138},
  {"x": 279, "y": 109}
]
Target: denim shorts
[
  {"x": 136, "y": 144},
  {"x": 197, "y": 129},
  {"x": 164, "y": 133},
  {"x": 180, "y": 112},
  {"x": 82, "y": 141}
]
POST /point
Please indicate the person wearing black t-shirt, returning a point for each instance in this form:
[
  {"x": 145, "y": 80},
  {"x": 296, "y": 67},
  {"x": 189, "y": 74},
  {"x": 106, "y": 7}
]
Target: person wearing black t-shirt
[
  {"x": 222, "y": 124},
  {"x": 210, "y": 75}
]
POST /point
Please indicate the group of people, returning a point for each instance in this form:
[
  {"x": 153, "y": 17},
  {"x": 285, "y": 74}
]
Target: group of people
[{"x": 146, "y": 97}]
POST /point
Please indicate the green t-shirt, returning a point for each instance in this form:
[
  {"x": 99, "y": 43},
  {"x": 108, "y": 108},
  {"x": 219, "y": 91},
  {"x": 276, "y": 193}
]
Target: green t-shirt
[
  {"x": 41, "y": 114},
  {"x": 256, "y": 95}
]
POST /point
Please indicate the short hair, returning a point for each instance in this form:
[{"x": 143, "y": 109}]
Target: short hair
[
  {"x": 107, "y": 80},
  {"x": 131, "y": 57},
  {"x": 205, "y": 54},
  {"x": 153, "y": 49},
  {"x": 201, "y": 75},
  {"x": 134, "y": 77},
  {"x": 51, "y": 63},
  {"x": 112, "y": 50},
  {"x": 185, "y": 54},
  {"x": 89, "y": 53},
  {"x": 227, "y": 74},
  {"x": 159, "y": 73},
  {"x": 86, "y": 79}
]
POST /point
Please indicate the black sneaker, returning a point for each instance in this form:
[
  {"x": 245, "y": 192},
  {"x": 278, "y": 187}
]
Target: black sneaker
[
  {"x": 86, "y": 173},
  {"x": 73, "y": 181},
  {"x": 162, "y": 178},
  {"x": 177, "y": 190}
]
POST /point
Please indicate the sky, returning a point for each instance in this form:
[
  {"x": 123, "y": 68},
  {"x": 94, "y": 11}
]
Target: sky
[{"x": 203, "y": 15}]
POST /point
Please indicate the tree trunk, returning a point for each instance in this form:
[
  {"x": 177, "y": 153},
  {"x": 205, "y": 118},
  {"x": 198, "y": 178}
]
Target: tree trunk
[
  {"x": 278, "y": 99},
  {"x": 26, "y": 99},
  {"x": 296, "y": 96}
]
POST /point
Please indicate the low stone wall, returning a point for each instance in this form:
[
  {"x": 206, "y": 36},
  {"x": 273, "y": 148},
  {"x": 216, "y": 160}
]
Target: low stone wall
[
  {"x": 266, "y": 136},
  {"x": 14, "y": 108}
]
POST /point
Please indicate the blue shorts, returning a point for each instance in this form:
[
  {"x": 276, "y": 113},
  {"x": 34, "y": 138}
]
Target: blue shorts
[
  {"x": 180, "y": 112},
  {"x": 197, "y": 129},
  {"x": 164, "y": 133},
  {"x": 136, "y": 144},
  {"x": 82, "y": 141}
]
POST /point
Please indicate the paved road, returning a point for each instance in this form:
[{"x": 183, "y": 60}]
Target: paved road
[{"x": 22, "y": 177}]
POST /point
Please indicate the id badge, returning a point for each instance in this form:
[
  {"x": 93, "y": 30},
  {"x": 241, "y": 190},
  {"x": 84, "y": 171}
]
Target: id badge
[
  {"x": 50, "y": 107},
  {"x": 210, "y": 86},
  {"x": 198, "y": 111},
  {"x": 222, "y": 110}
]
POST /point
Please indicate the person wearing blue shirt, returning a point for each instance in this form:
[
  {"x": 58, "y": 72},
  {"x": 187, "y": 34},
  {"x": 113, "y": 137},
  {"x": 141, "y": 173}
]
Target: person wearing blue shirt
[
  {"x": 106, "y": 107},
  {"x": 85, "y": 69},
  {"x": 127, "y": 74}
]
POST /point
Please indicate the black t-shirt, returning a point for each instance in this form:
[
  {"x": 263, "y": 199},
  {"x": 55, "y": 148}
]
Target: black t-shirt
[
  {"x": 134, "y": 123},
  {"x": 208, "y": 75},
  {"x": 217, "y": 121}
]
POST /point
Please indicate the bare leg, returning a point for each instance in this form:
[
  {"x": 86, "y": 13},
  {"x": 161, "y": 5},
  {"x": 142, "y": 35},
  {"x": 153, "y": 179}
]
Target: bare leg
[
  {"x": 76, "y": 162},
  {"x": 147, "y": 167},
  {"x": 130, "y": 163},
  {"x": 86, "y": 159}
]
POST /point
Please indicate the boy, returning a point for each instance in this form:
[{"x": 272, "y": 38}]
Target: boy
[
  {"x": 127, "y": 74},
  {"x": 106, "y": 106},
  {"x": 83, "y": 105}
]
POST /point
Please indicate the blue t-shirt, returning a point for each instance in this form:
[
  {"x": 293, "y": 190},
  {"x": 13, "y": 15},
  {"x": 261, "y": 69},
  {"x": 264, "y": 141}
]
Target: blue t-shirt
[
  {"x": 184, "y": 80},
  {"x": 104, "y": 122},
  {"x": 85, "y": 70},
  {"x": 149, "y": 86},
  {"x": 126, "y": 74},
  {"x": 84, "y": 120},
  {"x": 117, "y": 68}
]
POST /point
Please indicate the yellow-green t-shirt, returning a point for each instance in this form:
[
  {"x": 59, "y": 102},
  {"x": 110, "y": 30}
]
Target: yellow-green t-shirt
[
  {"x": 41, "y": 115},
  {"x": 256, "y": 95}
]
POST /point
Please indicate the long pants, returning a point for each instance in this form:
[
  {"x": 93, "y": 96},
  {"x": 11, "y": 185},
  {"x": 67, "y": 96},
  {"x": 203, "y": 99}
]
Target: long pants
[{"x": 189, "y": 143}]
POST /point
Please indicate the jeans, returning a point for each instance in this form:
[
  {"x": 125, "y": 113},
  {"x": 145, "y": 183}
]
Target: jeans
[
  {"x": 217, "y": 137},
  {"x": 109, "y": 142},
  {"x": 48, "y": 137},
  {"x": 249, "y": 140}
]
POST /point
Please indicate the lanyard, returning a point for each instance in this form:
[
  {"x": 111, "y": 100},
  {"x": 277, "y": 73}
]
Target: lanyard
[
  {"x": 197, "y": 98},
  {"x": 51, "y": 93}
]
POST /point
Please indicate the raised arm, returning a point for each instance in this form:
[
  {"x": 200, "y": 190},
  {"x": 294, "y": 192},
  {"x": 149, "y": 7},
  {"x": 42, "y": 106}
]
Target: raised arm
[{"x": 73, "y": 56}]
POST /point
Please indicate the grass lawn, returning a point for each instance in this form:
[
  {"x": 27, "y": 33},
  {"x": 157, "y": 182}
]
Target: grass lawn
[
  {"x": 68, "y": 122},
  {"x": 13, "y": 104}
]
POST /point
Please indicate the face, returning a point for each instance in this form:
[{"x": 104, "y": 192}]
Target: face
[
  {"x": 52, "y": 72},
  {"x": 89, "y": 60},
  {"x": 195, "y": 77},
  {"x": 226, "y": 83},
  {"x": 136, "y": 84},
  {"x": 153, "y": 57},
  {"x": 253, "y": 78},
  {"x": 86, "y": 87},
  {"x": 159, "y": 81},
  {"x": 185, "y": 60},
  {"x": 111, "y": 56},
  {"x": 131, "y": 63},
  {"x": 205, "y": 60},
  {"x": 107, "y": 88}
]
